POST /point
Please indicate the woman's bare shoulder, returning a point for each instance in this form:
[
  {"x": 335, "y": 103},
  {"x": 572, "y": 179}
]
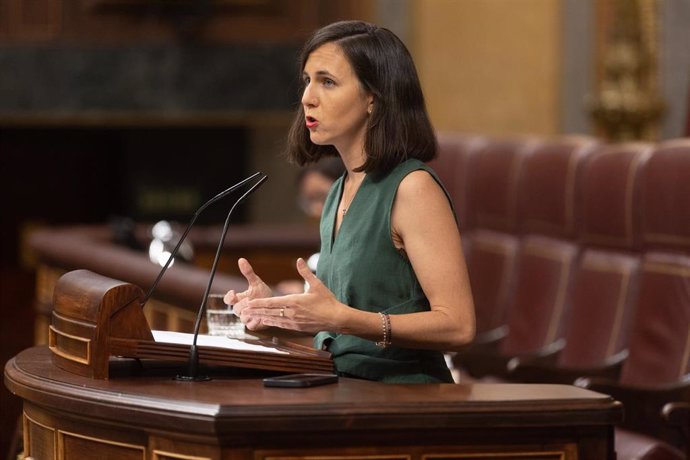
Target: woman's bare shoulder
[{"x": 419, "y": 184}]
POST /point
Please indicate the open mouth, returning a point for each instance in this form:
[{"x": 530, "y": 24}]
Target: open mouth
[{"x": 311, "y": 122}]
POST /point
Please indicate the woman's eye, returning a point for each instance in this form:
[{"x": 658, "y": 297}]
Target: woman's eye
[{"x": 328, "y": 82}]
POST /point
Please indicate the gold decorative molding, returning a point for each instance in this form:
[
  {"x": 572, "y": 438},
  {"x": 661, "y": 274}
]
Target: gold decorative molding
[
  {"x": 326, "y": 456},
  {"x": 628, "y": 105},
  {"x": 164, "y": 455},
  {"x": 72, "y": 342},
  {"x": 108, "y": 447},
  {"x": 34, "y": 21},
  {"x": 563, "y": 453}
]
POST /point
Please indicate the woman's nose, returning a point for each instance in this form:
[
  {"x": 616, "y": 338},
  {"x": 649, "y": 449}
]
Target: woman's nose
[{"x": 308, "y": 97}]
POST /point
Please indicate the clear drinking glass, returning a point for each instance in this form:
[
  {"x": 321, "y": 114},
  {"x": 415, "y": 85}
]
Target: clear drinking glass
[{"x": 221, "y": 320}]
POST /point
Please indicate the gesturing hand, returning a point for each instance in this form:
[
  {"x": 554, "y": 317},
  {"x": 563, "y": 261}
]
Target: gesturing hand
[
  {"x": 315, "y": 310},
  {"x": 257, "y": 289}
]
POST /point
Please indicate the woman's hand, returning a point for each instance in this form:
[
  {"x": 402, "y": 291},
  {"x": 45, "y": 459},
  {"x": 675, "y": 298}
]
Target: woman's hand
[
  {"x": 314, "y": 310},
  {"x": 257, "y": 289}
]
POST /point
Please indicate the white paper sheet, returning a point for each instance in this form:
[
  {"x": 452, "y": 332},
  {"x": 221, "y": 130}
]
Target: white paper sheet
[{"x": 211, "y": 341}]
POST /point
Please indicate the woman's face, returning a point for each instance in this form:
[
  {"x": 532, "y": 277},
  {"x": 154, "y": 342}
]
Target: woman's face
[{"x": 335, "y": 104}]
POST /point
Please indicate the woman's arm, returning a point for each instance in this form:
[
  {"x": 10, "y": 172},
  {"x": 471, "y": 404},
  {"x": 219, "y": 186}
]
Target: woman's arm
[{"x": 424, "y": 226}]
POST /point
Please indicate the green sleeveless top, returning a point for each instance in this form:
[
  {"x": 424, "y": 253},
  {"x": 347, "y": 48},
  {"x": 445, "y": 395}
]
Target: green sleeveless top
[{"x": 364, "y": 270}]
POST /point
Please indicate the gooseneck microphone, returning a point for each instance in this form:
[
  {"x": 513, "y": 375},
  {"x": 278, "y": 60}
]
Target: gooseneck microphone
[
  {"x": 193, "y": 360},
  {"x": 173, "y": 253}
]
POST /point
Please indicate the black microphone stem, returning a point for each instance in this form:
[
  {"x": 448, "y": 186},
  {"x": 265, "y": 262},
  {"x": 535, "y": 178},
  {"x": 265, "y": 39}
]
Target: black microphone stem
[
  {"x": 193, "y": 363},
  {"x": 173, "y": 253}
]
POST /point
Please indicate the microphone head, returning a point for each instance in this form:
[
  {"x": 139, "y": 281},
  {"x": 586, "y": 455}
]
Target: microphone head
[{"x": 165, "y": 237}]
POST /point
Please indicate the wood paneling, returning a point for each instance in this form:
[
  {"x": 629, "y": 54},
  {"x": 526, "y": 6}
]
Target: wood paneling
[
  {"x": 30, "y": 20},
  {"x": 491, "y": 66},
  {"x": 129, "y": 21}
]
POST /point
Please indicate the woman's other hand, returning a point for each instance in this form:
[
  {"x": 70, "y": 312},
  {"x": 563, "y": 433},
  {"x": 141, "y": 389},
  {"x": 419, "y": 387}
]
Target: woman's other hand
[{"x": 257, "y": 289}]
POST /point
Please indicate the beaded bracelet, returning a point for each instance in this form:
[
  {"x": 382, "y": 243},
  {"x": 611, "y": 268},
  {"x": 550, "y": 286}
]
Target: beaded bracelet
[{"x": 386, "y": 325}]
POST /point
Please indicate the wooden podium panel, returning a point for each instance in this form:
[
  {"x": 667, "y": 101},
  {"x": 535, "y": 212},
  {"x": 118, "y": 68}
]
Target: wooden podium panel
[{"x": 142, "y": 413}]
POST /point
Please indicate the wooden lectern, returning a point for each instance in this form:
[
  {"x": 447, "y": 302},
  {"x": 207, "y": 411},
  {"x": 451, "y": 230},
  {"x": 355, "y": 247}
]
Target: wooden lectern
[{"x": 96, "y": 318}]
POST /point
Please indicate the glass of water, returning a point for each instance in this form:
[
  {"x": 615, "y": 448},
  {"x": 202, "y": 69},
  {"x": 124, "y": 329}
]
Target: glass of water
[{"x": 221, "y": 320}]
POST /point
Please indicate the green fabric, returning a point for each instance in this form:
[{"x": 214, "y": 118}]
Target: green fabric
[{"x": 362, "y": 267}]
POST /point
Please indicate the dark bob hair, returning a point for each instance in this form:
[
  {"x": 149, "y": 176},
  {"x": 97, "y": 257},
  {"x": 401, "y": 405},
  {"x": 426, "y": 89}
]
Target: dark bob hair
[{"x": 398, "y": 127}]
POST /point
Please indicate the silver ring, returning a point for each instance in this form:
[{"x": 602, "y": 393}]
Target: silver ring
[{"x": 282, "y": 312}]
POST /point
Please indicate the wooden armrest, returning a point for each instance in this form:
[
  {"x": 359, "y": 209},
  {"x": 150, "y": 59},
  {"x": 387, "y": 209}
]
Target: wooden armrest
[
  {"x": 542, "y": 371},
  {"x": 677, "y": 391},
  {"x": 491, "y": 338},
  {"x": 677, "y": 414},
  {"x": 482, "y": 348},
  {"x": 481, "y": 361}
]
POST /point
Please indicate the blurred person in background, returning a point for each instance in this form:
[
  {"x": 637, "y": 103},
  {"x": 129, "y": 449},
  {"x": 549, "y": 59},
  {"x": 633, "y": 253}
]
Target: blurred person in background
[{"x": 314, "y": 181}]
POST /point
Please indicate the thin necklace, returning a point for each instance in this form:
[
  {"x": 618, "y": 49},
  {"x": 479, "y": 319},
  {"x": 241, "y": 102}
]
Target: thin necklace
[{"x": 345, "y": 208}]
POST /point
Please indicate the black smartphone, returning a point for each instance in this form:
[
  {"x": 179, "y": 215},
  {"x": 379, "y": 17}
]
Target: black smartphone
[{"x": 300, "y": 380}]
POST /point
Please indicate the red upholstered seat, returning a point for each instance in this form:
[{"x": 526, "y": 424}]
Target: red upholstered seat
[
  {"x": 657, "y": 370},
  {"x": 601, "y": 303},
  {"x": 481, "y": 174},
  {"x": 605, "y": 279},
  {"x": 635, "y": 446},
  {"x": 548, "y": 250},
  {"x": 492, "y": 190},
  {"x": 455, "y": 152},
  {"x": 544, "y": 246}
]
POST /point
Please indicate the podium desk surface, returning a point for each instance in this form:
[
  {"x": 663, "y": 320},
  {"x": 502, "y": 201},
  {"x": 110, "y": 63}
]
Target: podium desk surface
[{"x": 238, "y": 406}]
